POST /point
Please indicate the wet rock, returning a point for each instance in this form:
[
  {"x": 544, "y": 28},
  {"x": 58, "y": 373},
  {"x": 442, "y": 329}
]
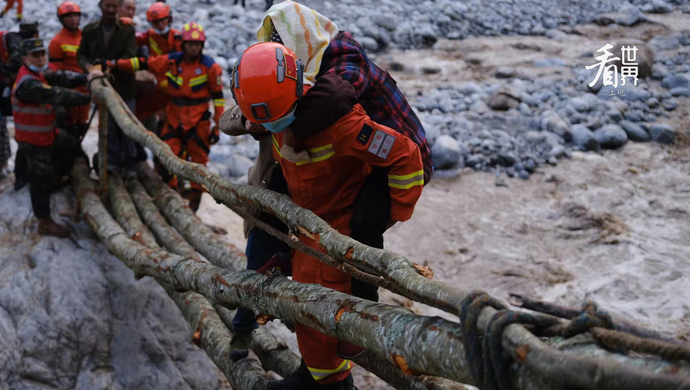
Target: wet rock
[
  {"x": 386, "y": 21},
  {"x": 670, "y": 104},
  {"x": 634, "y": 131},
  {"x": 662, "y": 133},
  {"x": 615, "y": 115},
  {"x": 550, "y": 62},
  {"x": 675, "y": 81},
  {"x": 446, "y": 152},
  {"x": 661, "y": 7},
  {"x": 504, "y": 72},
  {"x": 668, "y": 42},
  {"x": 629, "y": 16},
  {"x": 611, "y": 136},
  {"x": 503, "y": 101},
  {"x": 680, "y": 91},
  {"x": 523, "y": 174},
  {"x": 555, "y": 34},
  {"x": 659, "y": 71},
  {"x": 524, "y": 109},
  {"x": 555, "y": 124},
  {"x": 585, "y": 102},
  {"x": 584, "y": 138},
  {"x": 479, "y": 107}
]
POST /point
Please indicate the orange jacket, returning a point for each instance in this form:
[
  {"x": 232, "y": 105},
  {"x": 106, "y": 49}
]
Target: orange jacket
[
  {"x": 189, "y": 84},
  {"x": 62, "y": 51},
  {"x": 158, "y": 44},
  {"x": 327, "y": 171}
]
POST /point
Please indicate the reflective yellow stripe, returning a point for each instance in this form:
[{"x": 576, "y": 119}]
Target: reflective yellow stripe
[
  {"x": 319, "y": 373},
  {"x": 219, "y": 102},
  {"x": 155, "y": 46},
  {"x": 275, "y": 145},
  {"x": 319, "y": 154},
  {"x": 408, "y": 181},
  {"x": 71, "y": 48},
  {"x": 316, "y": 154},
  {"x": 135, "y": 63},
  {"x": 198, "y": 80},
  {"x": 175, "y": 79}
]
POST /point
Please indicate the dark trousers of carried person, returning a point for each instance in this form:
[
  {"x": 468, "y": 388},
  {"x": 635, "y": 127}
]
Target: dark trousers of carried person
[
  {"x": 46, "y": 165},
  {"x": 370, "y": 216},
  {"x": 190, "y": 145}
]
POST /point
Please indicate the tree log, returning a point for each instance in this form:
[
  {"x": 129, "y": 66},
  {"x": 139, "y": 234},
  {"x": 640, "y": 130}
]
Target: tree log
[
  {"x": 213, "y": 337},
  {"x": 126, "y": 214},
  {"x": 176, "y": 211},
  {"x": 397, "y": 269}
]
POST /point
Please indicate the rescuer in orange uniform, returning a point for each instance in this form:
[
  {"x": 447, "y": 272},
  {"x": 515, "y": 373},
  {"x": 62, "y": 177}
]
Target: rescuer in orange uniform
[
  {"x": 324, "y": 173},
  {"x": 193, "y": 80},
  {"x": 62, "y": 54},
  {"x": 159, "y": 40}
]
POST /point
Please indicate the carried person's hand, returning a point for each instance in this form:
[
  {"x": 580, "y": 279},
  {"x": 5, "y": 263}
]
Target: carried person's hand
[
  {"x": 254, "y": 127},
  {"x": 93, "y": 74}
]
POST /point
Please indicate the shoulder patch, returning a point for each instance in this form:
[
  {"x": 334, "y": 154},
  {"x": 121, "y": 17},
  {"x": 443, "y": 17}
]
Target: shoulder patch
[
  {"x": 381, "y": 144},
  {"x": 364, "y": 134}
]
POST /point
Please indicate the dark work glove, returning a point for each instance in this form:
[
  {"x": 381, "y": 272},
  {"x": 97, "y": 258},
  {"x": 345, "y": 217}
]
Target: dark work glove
[
  {"x": 102, "y": 62},
  {"x": 214, "y": 137}
]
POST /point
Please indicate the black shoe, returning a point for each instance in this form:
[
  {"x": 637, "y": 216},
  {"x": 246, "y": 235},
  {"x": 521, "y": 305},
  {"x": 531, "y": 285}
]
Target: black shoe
[
  {"x": 19, "y": 182},
  {"x": 239, "y": 345}
]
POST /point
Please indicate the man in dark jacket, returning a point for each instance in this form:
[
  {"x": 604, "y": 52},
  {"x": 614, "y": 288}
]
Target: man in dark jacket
[
  {"x": 49, "y": 153},
  {"x": 108, "y": 39}
]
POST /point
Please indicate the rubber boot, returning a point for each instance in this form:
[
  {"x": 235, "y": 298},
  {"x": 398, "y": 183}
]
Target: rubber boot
[
  {"x": 194, "y": 197},
  {"x": 302, "y": 380},
  {"x": 48, "y": 227}
]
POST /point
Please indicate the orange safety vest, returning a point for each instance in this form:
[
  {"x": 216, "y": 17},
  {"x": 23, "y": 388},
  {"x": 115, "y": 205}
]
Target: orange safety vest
[
  {"x": 62, "y": 51},
  {"x": 33, "y": 123},
  {"x": 160, "y": 45}
]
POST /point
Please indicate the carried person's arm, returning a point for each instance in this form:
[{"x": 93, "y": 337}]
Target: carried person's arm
[{"x": 66, "y": 78}]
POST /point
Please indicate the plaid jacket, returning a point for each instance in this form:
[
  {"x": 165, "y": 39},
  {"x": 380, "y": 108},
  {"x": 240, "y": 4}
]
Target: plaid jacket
[{"x": 377, "y": 92}]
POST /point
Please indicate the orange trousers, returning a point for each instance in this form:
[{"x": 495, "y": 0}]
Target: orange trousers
[
  {"x": 191, "y": 145},
  {"x": 319, "y": 350},
  {"x": 20, "y": 7}
]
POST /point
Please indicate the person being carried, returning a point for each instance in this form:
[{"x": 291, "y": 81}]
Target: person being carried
[
  {"x": 324, "y": 172},
  {"x": 62, "y": 54},
  {"x": 325, "y": 50},
  {"x": 49, "y": 152},
  {"x": 194, "y": 80}
]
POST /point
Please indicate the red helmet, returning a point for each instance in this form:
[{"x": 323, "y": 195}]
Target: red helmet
[
  {"x": 158, "y": 10},
  {"x": 192, "y": 32},
  {"x": 68, "y": 7},
  {"x": 267, "y": 81}
]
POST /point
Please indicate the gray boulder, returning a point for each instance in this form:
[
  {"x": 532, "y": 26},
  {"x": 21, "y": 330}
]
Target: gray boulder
[
  {"x": 611, "y": 136},
  {"x": 680, "y": 91},
  {"x": 584, "y": 103},
  {"x": 661, "y": 7},
  {"x": 675, "y": 81},
  {"x": 446, "y": 152},
  {"x": 634, "y": 131},
  {"x": 553, "y": 123},
  {"x": 583, "y": 138},
  {"x": 662, "y": 133}
]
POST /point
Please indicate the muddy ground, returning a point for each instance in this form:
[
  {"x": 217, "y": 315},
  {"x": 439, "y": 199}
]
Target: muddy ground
[{"x": 612, "y": 226}]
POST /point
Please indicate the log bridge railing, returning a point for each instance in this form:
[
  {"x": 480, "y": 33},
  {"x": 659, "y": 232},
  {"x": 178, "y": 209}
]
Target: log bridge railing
[{"x": 546, "y": 347}]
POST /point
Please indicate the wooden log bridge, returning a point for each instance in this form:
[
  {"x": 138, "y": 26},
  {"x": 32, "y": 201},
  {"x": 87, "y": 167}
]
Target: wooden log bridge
[{"x": 489, "y": 346}]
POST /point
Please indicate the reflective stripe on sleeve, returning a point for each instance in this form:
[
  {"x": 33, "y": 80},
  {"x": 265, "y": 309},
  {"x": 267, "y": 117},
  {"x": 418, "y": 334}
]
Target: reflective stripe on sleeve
[
  {"x": 405, "y": 182},
  {"x": 219, "y": 102},
  {"x": 319, "y": 373}
]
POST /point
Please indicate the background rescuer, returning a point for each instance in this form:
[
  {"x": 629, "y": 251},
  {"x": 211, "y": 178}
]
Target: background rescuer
[{"x": 193, "y": 79}]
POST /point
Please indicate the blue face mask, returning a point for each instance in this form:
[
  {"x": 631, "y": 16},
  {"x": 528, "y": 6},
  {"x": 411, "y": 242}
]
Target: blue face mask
[
  {"x": 161, "y": 32},
  {"x": 281, "y": 124},
  {"x": 37, "y": 69}
]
